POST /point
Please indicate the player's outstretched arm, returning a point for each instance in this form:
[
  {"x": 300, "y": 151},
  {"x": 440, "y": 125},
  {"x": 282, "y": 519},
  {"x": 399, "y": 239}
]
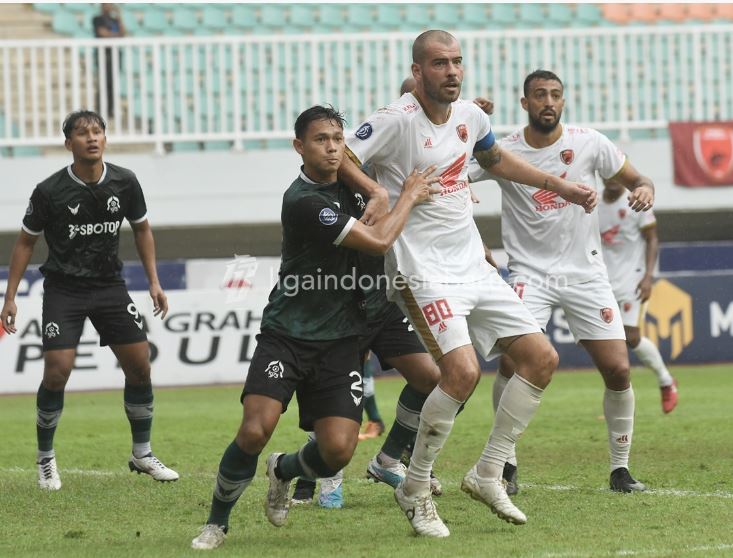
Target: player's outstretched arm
[
  {"x": 642, "y": 187},
  {"x": 504, "y": 164},
  {"x": 351, "y": 175},
  {"x": 145, "y": 245},
  {"x": 19, "y": 259},
  {"x": 377, "y": 239}
]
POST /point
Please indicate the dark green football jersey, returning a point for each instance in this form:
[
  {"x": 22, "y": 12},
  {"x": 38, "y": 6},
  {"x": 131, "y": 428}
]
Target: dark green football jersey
[
  {"x": 81, "y": 222},
  {"x": 317, "y": 297}
]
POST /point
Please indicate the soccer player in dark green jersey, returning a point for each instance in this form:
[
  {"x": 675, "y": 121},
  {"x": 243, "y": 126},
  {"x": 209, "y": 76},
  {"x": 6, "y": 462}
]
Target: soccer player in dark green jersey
[
  {"x": 308, "y": 343},
  {"x": 79, "y": 209}
]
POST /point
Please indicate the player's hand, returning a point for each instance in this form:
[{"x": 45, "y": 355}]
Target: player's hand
[
  {"x": 644, "y": 288},
  {"x": 579, "y": 194},
  {"x": 485, "y": 105},
  {"x": 7, "y": 316},
  {"x": 160, "y": 301},
  {"x": 376, "y": 207},
  {"x": 474, "y": 197},
  {"x": 419, "y": 185},
  {"x": 642, "y": 198}
]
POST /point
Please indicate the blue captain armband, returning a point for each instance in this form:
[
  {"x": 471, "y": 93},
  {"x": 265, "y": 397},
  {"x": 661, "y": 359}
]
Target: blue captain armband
[{"x": 486, "y": 143}]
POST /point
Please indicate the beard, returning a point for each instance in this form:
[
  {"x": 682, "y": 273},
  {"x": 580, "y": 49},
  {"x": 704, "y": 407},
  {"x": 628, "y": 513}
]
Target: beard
[
  {"x": 542, "y": 126},
  {"x": 438, "y": 94}
]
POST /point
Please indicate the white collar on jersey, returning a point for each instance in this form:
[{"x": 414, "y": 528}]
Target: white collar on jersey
[
  {"x": 305, "y": 178},
  {"x": 80, "y": 181}
]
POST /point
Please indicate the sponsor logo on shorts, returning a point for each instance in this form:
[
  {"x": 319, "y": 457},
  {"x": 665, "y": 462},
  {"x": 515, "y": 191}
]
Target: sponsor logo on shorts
[
  {"x": 627, "y": 306},
  {"x": 89, "y": 229},
  {"x": 275, "y": 369},
  {"x": 29, "y": 209},
  {"x": 113, "y": 204},
  {"x": 442, "y": 327},
  {"x": 462, "y": 131},
  {"x": 74, "y": 210},
  {"x": 567, "y": 156},
  {"x": 327, "y": 216},
  {"x": 132, "y": 310},
  {"x": 607, "y": 315},
  {"x": 409, "y": 325},
  {"x": 51, "y": 330},
  {"x": 357, "y": 387},
  {"x": 364, "y": 131},
  {"x": 669, "y": 316}
]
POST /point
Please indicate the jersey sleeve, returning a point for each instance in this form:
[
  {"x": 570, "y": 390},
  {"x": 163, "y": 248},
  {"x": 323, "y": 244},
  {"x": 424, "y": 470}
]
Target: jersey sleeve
[
  {"x": 319, "y": 220},
  {"x": 138, "y": 210},
  {"x": 610, "y": 159},
  {"x": 374, "y": 140},
  {"x": 485, "y": 138},
  {"x": 36, "y": 214}
]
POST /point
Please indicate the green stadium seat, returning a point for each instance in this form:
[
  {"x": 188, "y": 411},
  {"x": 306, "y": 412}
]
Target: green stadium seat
[
  {"x": 417, "y": 15},
  {"x": 244, "y": 16},
  {"x": 360, "y": 15},
  {"x": 302, "y": 15},
  {"x": 272, "y": 15},
  {"x": 588, "y": 13},
  {"x": 445, "y": 15},
  {"x": 331, "y": 15},
  {"x": 65, "y": 23},
  {"x": 503, "y": 14},
  {"x": 559, "y": 14},
  {"x": 155, "y": 20},
  {"x": 48, "y": 7},
  {"x": 389, "y": 16},
  {"x": 531, "y": 15},
  {"x": 185, "y": 19},
  {"x": 214, "y": 18},
  {"x": 475, "y": 16},
  {"x": 217, "y": 145}
]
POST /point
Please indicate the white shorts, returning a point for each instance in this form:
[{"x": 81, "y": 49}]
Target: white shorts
[
  {"x": 449, "y": 315},
  {"x": 590, "y": 308},
  {"x": 633, "y": 311}
]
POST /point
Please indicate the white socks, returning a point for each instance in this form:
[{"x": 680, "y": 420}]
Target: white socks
[
  {"x": 436, "y": 422},
  {"x": 500, "y": 383},
  {"x": 618, "y": 408},
  {"x": 649, "y": 356},
  {"x": 517, "y": 406}
]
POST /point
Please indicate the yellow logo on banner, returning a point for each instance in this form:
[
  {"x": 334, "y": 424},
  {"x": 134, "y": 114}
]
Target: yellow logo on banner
[{"x": 669, "y": 315}]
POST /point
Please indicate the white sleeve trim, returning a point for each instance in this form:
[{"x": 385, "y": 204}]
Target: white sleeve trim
[
  {"x": 344, "y": 231},
  {"x": 136, "y": 221},
  {"x": 34, "y": 233}
]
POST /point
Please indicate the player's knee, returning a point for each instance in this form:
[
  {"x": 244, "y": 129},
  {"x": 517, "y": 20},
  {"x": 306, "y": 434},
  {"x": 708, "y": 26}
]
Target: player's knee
[
  {"x": 138, "y": 373},
  {"x": 633, "y": 338},
  {"x": 338, "y": 455},
  {"x": 252, "y": 437},
  {"x": 55, "y": 375},
  {"x": 617, "y": 374}
]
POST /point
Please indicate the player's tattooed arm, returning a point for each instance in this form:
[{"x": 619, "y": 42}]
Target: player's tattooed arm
[{"x": 487, "y": 158}]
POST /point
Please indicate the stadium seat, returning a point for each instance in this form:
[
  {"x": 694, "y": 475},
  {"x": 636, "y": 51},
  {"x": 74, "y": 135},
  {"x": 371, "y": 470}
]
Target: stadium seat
[
  {"x": 444, "y": 15},
  {"x": 559, "y": 14},
  {"x": 504, "y": 14},
  {"x": 302, "y": 16},
  {"x": 185, "y": 19},
  {"x": 360, "y": 15},
  {"x": 588, "y": 13},
  {"x": 673, "y": 13},
  {"x": 48, "y": 7},
  {"x": 330, "y": 15},
  {"x": 65, "y": 23},
  {"x": 701, "y": 12},
  {"x": 244, "y": 16},
  {"x": 643, "y": 13},
  {"x": 213, "y": 18},
  {"x": 724, "y": 12},
  {"x": 155, "y": 20},
  {"x": 616, "y": 13},
  {"x": 417, "y": 16},
  {"x": 273, "y": 16},
  {"x": 389, "y": 16},
  {"x": 531, "y": 15},
  {"x": 474, "y": 16}
]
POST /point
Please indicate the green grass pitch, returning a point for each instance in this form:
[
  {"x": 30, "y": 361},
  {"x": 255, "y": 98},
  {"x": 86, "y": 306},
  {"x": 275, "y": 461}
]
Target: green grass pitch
[{"x": 685, "y": 458}]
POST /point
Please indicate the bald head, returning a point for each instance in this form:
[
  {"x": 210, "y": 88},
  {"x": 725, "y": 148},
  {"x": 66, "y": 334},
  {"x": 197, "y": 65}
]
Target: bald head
[
  {"x": 419, "y": 47},
  {"x": 407, "y": 85}
]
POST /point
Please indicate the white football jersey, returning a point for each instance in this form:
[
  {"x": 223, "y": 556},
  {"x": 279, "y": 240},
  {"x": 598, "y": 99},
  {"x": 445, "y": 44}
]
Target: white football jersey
[
  {"x": 544, "y": 235},
  {"x": 440, "y": 242},
  {"x": 624, "y": 247}
]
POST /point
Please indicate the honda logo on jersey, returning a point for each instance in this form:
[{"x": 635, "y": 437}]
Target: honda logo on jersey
[
  {"x": 546, "y": 200},
  {"x": 449, "y": 178},
  {"x": 567, "y": 156},
  {"x": 462, "y": 130}
]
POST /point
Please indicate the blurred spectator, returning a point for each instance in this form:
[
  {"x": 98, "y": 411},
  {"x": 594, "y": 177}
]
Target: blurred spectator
[{"x": 106, "y": 25}]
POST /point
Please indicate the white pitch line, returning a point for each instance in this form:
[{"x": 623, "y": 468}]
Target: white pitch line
[
  {"x": 642, "y": 552},
  {"x": 549, "y": 487}
]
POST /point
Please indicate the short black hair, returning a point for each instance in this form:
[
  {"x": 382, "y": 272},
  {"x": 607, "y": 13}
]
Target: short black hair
[
  {"x": 317, "y": 112},
  {"x": 89, "y": 116},
  {"x": 540, "y": 74}
]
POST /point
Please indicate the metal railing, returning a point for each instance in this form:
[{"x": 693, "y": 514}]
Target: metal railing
[{"x": 177, "y": 89}]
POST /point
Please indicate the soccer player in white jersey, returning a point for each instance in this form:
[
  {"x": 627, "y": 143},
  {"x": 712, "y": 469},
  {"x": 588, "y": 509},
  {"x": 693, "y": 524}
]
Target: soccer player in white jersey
[
  {"x": 630, "y": 246},
  {"x": 555, "y": 255},
  {"x": 439, "y": 277}
]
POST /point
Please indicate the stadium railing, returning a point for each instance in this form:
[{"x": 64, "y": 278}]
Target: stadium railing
[{"x": 624, "y": 81}]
